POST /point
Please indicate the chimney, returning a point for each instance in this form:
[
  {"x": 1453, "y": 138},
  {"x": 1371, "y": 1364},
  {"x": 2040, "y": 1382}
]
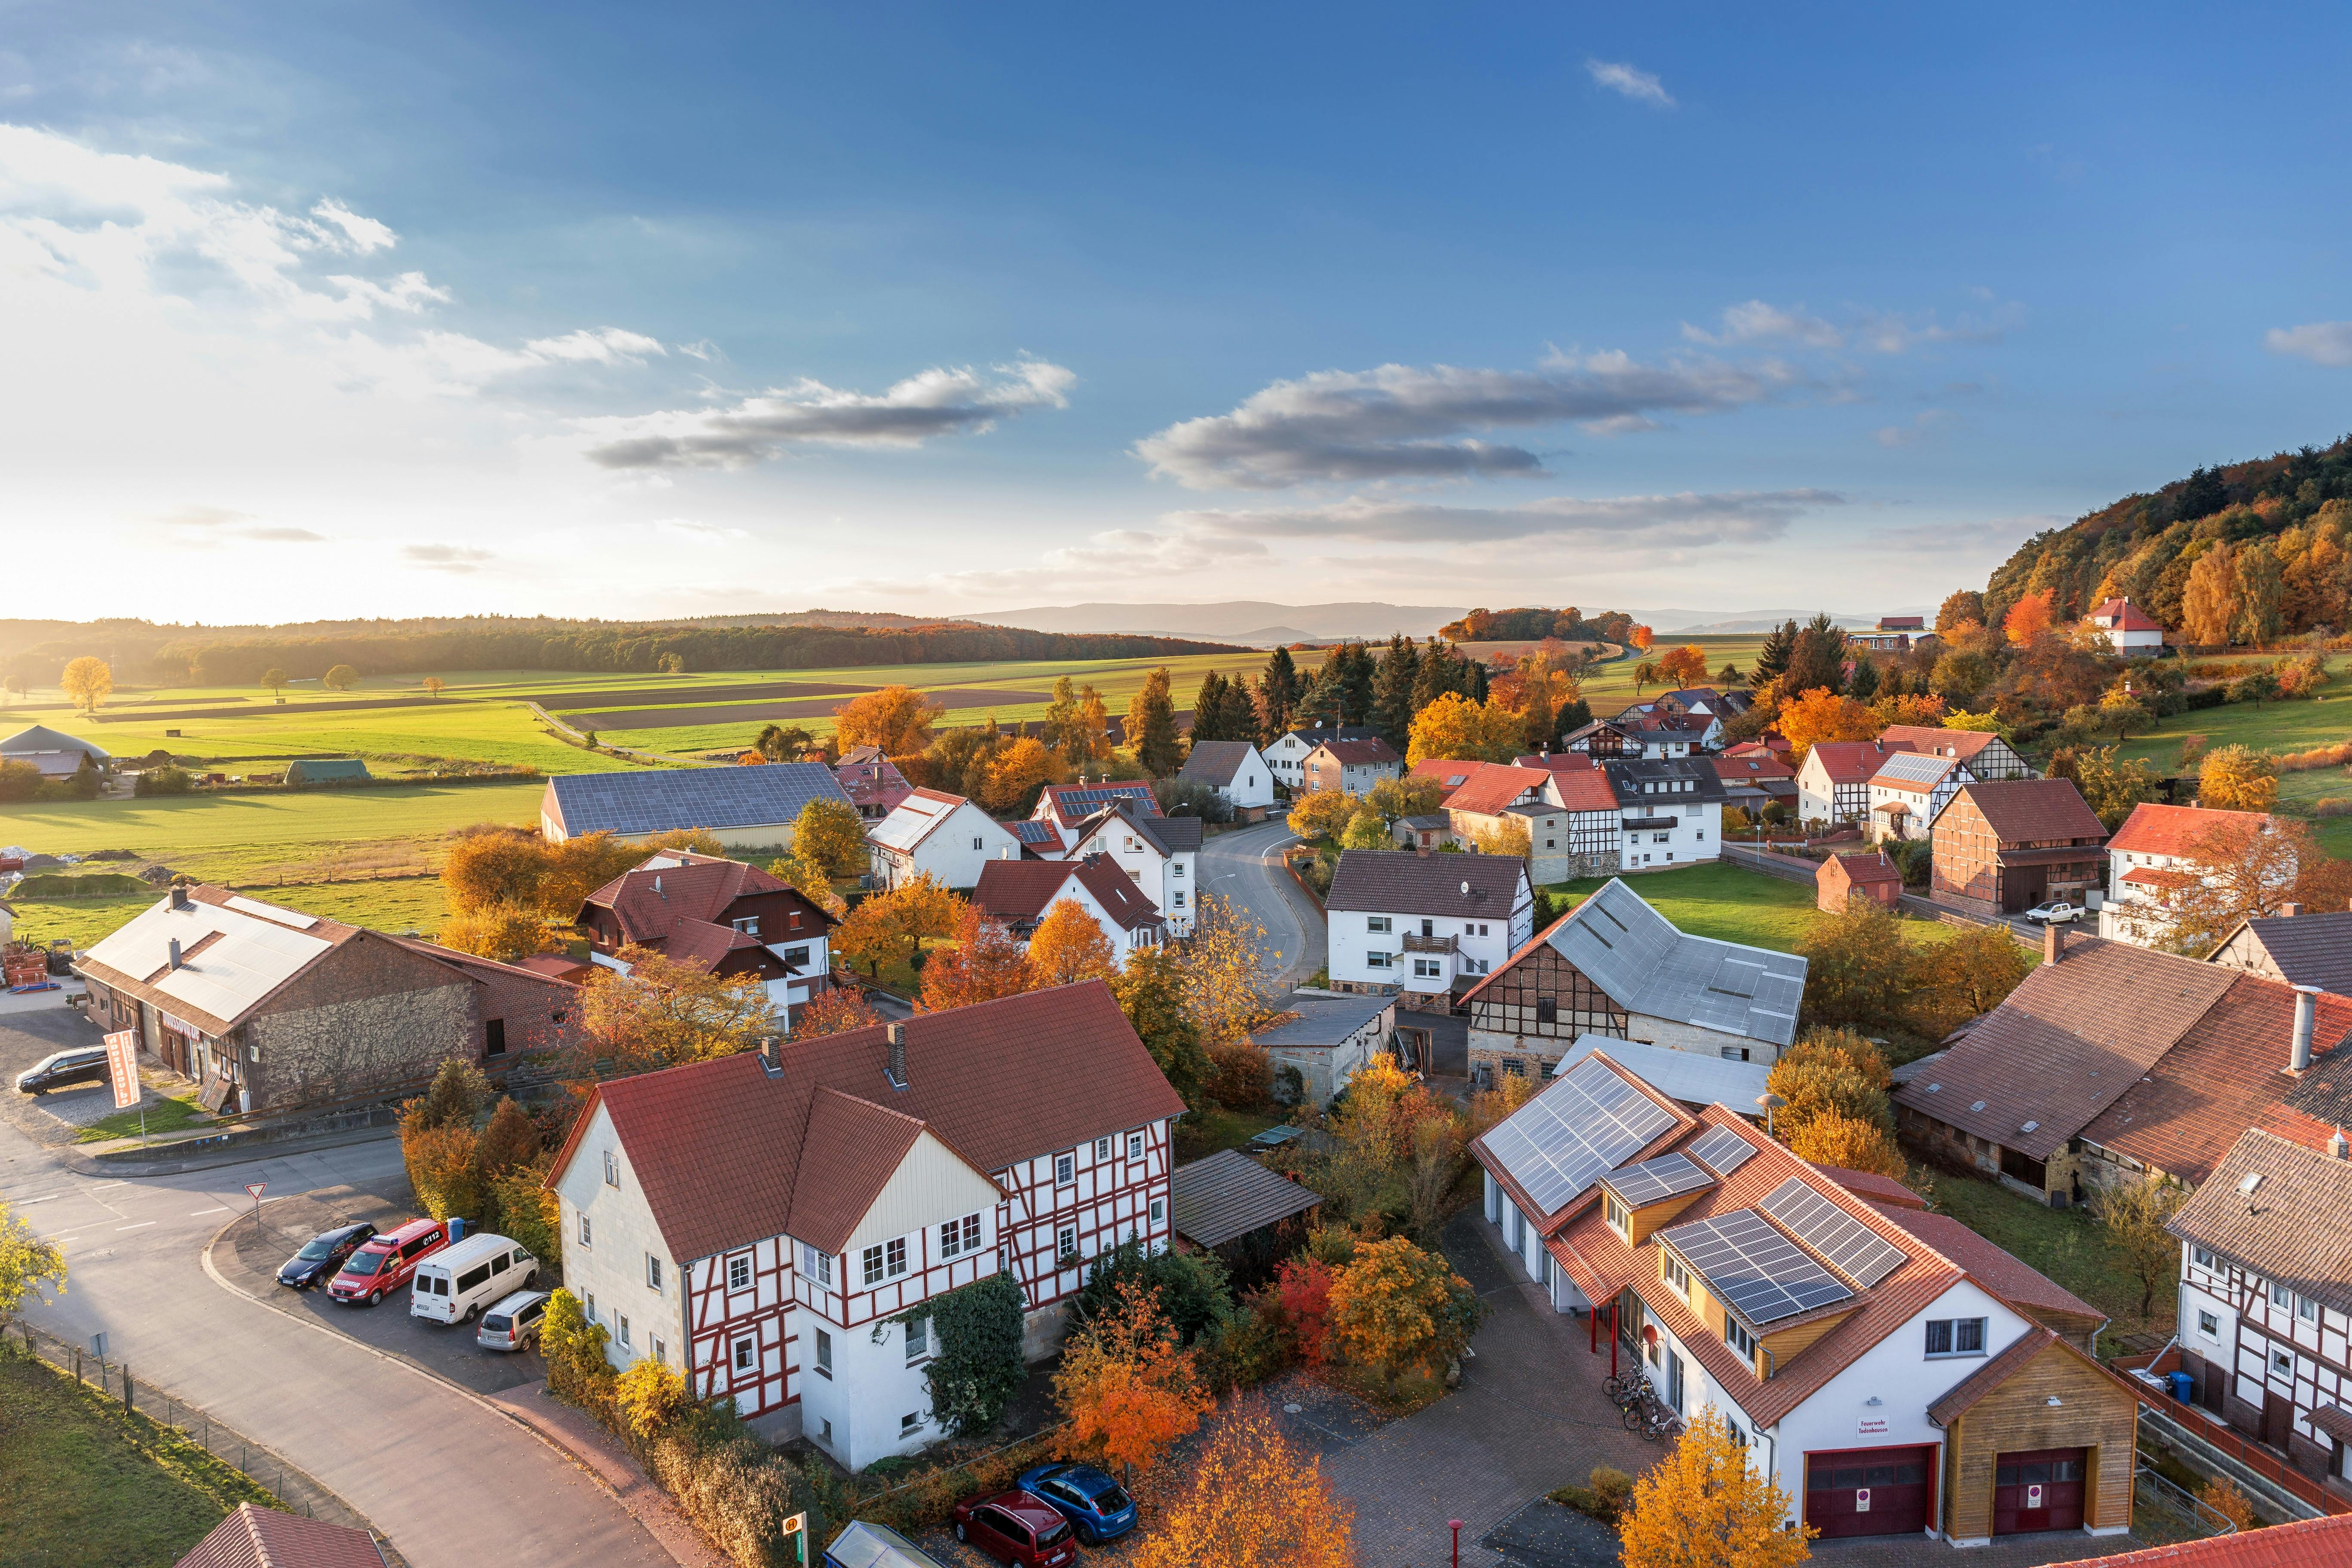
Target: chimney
[
  {"x": 771, "y": 1058},
  {"x": 179, "y": 895},
  {"x": 176, "y": 952},
  {"x": 2339, "y": 1146},
  {"x": 896, "y": 1071},
  {"x": 2054, "y": 942},
  {"x": 2306, "y": 1014},
  {"x": 2288, "y": 911}
]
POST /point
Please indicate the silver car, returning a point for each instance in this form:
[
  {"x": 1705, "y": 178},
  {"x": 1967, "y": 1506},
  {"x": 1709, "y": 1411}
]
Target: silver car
[{"x": 512, "y": 1321}]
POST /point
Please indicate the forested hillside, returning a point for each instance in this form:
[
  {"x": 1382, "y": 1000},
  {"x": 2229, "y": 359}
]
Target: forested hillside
[
  {"x": 1534, "y": 624},
  {"x": 2282, "y": 524}
]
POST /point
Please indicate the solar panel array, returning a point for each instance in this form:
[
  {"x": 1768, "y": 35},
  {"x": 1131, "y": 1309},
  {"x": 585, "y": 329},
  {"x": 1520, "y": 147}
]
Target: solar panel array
[
  {"x": 1654, "y": 1180},
  {"x": 1085, "y": 800},
  {"x": 1581, "y": 1126},
  {"x": 1757, "y": 1270},
  {"x": 1722, "y": 1150},
  {"x": 1853, "y": 1249}
]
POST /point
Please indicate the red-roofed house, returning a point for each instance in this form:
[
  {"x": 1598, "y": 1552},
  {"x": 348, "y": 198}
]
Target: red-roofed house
[
  {"x": 2003, "y": 846},
  {"x": 872, "y": 781},
  {"x": 1018, "y": 893},
  {"x": 2150, "y": 857},
  {"x": 731, "y": 918},
  {"x": 765, "y": 1222},
  {"x": 1566, "y": 802},
  {"x": 1754, "y": 778},
  {"x": 1833, "y": 781},
  {"x": 2128, "y": 629},
  {"x": 2299, "y": 1543},
  {"x": 1889, "y": 1375},
  {"x": 1987, "y": 754},
  {"x": 1352, "y": 767},
  {"x": 1843, "y": 877}
]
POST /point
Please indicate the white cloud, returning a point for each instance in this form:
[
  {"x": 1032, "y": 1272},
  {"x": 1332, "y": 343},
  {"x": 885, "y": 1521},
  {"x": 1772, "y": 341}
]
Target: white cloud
[
  {"x": 212, "y": 527},
  {"x": 1638, "y": 85},
  {"x": 1414, "y": 422},
  {"x": 2321, "y": 342},
  {"x": 1758, "y": 322},
  {"x": 943, "y": 401},
  {"x": 698, "y": 532},
  {"x": 1988, "y": 536},
  {"x": 447, "y": 557},
  {"x": 605, "y": 345},
  {"x": 1615, "y": 523},
  {"x": 1878, "y": 332}
]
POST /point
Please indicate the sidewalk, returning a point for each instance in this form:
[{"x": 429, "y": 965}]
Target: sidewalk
[{"x": 599, "y": 1452}]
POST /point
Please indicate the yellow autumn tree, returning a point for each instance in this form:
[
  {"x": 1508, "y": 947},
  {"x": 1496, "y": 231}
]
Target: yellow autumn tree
[
  {"x": 88, "y": 681},
  {"x": 899, "y": 718},
  {"x": 1703, "y": 1507},
  {"x": 1834, "y": 1138},
  {"x": 1250, "y": 1498},
  {"x": 1068, "y": 946},
  {"x": 2235, "y": 779},
  {"x": 500, "y": 931},
  {"x": 1018, "y": 772},
  {"x": 1456, "y": 728},
  {"x": 2208, "y": 601},
  {"x": 1224, "y": 964}
]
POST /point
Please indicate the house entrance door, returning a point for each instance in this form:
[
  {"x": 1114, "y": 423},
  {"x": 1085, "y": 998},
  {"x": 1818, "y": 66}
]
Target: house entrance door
[{"x": 2278, "y": 1418}]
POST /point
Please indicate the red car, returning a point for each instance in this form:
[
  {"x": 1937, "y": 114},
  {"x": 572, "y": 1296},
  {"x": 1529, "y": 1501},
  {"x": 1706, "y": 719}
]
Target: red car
[
  {"x": 1016, "y": 1527},
  {"x": 385, "y": 1264}
]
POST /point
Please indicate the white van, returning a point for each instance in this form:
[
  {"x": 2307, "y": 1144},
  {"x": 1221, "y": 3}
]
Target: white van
[{"x": 456, "y": 1282}]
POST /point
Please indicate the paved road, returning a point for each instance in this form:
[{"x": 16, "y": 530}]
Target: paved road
[
  {"x": 448, "y": 1479},
  {"x": 1245, "y": 867}
]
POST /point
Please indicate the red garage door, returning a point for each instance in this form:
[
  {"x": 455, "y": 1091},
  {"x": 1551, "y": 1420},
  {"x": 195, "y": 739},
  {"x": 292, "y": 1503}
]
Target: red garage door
[
  {"x": 1870, "y": 1491},
  {"x": 2037, "y": 1490}
]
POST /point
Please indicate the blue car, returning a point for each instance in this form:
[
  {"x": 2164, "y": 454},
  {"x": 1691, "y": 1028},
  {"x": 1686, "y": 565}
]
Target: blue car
[{"x": 1096, "y": 1505}]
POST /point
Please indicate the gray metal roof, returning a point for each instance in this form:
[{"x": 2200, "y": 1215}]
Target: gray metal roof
[
  {"x": 1646, "y": 965},
  {"x": 1684, "y": 1076},
  {"x": 39, "y": 738},
  {"x": 1230, "y": 1194},
  {"x": 1324, "y": 1020},
  {"x": 714, "y": 799}
]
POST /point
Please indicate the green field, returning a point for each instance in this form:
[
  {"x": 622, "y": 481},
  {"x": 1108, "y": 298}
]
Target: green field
[
  {"x": 1732, "y": 903},
  {"x": 1610, "y": 687},
  {"x": 2274, "y": 727}
]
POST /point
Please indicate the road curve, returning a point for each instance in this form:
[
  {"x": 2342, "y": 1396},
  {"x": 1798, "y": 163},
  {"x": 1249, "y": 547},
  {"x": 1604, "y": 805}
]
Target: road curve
[{"x": 1245, "y": 867}]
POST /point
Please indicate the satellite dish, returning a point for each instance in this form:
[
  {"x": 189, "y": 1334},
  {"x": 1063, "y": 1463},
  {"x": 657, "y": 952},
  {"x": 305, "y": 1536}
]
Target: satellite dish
[{"x": 1465, "y": 889}]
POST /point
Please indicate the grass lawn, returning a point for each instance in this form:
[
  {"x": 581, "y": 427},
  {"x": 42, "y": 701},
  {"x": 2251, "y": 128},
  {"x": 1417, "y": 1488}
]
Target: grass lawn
[
  {"x": 2273, "y": 727},
  {"x": 1202, "y": 1132},
  {"x": 1732, "y": 903},
  {"x": 84, "y": 1481},
  {"x": 168, "y": 1115},
  {"x": 2065, "y": 1243},
  {"x": 1610, "y": 688}
]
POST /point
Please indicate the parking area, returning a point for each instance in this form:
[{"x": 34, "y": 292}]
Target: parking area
[
  {"x": 250, "y": 1256},
  {"x": 26, "y": 1036}
]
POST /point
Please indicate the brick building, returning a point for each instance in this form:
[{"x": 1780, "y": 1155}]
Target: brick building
[
  {"x": 2003, "y": 846},
  {"x": 1843, "y": 877}
]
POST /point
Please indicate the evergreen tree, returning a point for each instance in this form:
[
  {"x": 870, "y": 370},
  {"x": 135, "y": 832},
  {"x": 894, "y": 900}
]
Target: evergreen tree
[
  {"x": 1355, "y": 662},
  {"x": 1319, "y": 702},
  {"x": 1572, "y": 718},
  {"x": 1393, "y": 688},
  {"x": 1476, "y": 688},
  {"x": 1237, "y": 713},
  {"x": 1441, "y": 671},
  {"x": 1209, "y": 709},
  {"x": 1863, "y": 684},
  {"x": 1277, "y": 692},
  {"x": 1817, "y": 661},
  {"x": 1772, "y": 658},
  {"x": 1151, "y": 726}
]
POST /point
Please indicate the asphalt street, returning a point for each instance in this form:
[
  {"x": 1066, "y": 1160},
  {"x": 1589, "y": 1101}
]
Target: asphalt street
[
  {"x": 448, "y": 1478},
  {"x": 1245, "y": 867}
]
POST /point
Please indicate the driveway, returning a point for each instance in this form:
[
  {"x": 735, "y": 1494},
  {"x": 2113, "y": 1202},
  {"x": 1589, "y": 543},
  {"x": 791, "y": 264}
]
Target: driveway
[{"x": 1245, "y": 867}]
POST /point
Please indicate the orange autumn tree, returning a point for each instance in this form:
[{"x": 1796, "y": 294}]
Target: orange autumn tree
[
  {"x": 1703, "y": 1507},
  {"x": 899, "y": 718},
  {"x": 1070, "y": 946},
  {"x": 833, "y": 1012},
  {"x": 1640, "y": 637},
  {"x": 1684, "y": 666},
  {"x": 1128, "y": 1387},
  {"x": 2031, "y": 616},
  {"x": 1251, "y": 1499},
  {"x": 985, "y": 964},
  {"x": 1822, "y": 715},
  {"x": 1396, "y": 1308}
]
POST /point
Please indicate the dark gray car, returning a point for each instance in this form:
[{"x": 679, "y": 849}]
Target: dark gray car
[{"x": 85, "y": 1064}]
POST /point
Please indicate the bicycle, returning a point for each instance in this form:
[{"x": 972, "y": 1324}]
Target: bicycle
[
  {"x": 1624, "y": 1385},
  {"x": 1649, "y": 1417}
]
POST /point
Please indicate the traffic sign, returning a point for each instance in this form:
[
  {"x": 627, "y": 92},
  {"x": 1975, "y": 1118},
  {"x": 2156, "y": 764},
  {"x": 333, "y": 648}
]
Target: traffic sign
[{"x": 253, "y": 1190}]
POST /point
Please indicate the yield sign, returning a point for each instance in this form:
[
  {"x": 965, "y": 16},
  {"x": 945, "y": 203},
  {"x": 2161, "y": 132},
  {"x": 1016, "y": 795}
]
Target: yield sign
[{"x": 253, "y": 1190}]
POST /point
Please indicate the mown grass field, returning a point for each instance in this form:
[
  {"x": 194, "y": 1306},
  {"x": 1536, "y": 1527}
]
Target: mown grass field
[
  {"x": 84, "y": 1481},
  {"x": 1610, "y": 687},
  {"x": 2065, "y": 1244},
  {"x": 1731, "y": 903},
  {"x": 2281, "y": 727}
]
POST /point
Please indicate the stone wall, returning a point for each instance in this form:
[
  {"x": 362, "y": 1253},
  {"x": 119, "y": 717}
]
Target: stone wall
[{"x": 369, "y": 1016}]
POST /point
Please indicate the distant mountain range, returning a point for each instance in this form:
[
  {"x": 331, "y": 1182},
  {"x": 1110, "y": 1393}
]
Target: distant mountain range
[
  {"x": 1262, "y": 624},
  {"x": 1732, "y": 623}
]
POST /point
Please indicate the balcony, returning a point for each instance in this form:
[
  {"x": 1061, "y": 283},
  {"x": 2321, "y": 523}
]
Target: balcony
[{"x": 1428, "y": 944}]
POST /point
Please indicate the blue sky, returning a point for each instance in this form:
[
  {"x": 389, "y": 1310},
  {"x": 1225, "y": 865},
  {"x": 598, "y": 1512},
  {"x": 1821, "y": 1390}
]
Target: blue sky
[{"x": 340, "y": 309}]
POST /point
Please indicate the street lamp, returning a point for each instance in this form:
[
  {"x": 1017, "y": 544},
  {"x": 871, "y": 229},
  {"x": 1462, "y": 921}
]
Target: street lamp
[{"x": 1770, "y": 1103}]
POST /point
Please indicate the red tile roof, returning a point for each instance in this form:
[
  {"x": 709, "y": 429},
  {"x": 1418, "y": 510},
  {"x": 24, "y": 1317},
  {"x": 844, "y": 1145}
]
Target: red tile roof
[
  {"x": 2122, "y": 615},
  {"x": 700, "y": 941},
  {"x": 1025, "y": 890},
  {"x": 2303, "y": 1543},
  {"x": 256, "y": 1537},
  {"x": 718, "y": 1147},
  {"x": 1355, "y": 754},
  {"x": 1871, "y": 867},
  {"x": 853, "y": 1145},
  {"x": 1937, "y": 742},
  {"x": 2153, "y": 829},
  {"x": 2024, "y": 810},
  {"x": 1852, "y": 761},
  {"x": 1589, "y": 789},
  {"x": 1885, "y": 1191},
  {"x": 1757, "y": 766},
  {"x": 1495, "y": 786},
  {"x": 647, "y": 904},
  {"x": 2011, "y": 1278}
]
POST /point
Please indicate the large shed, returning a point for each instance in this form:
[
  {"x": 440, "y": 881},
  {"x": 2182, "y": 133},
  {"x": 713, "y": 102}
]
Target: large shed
[
  {"x": 1222, "y": 1198},
  {"x": 754, "y": 807}
]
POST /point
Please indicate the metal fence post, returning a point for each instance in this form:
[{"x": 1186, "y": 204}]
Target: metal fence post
[{"x": 127, "y": 1402}]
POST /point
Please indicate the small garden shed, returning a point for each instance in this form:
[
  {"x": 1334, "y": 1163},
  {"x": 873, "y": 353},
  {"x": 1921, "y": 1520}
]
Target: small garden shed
[{"x": 1874, "y": 875}]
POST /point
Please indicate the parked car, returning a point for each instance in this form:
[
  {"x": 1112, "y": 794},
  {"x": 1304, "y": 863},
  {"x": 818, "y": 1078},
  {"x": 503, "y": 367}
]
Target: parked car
[
  {"x": 322, "y": 1256},
  {"x": 463, "y": 1278},
  {"x": 83, "y": 1064},
  {"x": 384, "y": 1263},
  {"x": 1016, "y": 1527},
  {"x": 2057, "y": 912},
  {"x": 1096, "y": 1505},
  {"x": 514, "y": 1323}
]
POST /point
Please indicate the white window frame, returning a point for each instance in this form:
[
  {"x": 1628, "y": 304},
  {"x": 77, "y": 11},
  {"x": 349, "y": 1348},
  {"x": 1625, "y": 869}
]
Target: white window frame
[
  {"x": 869, "y": 1266},
  {"x": 739, "y": 1260},
  {"x": 1066, "y": 1170},
  {"x": 2209, "y": 1325},
  {"x": 587, "y": 1231},
  {"x": 612, "y": 1169},
  {"x": 746, "y": 1352},
  {"x": 652, "y": 1274},
  {"x": 824, "y": 1353},
  {"x": 894, "y": 1257},
  {"x": 1135, "y": 1145},
  {"x": 1066, "y": 1242}
]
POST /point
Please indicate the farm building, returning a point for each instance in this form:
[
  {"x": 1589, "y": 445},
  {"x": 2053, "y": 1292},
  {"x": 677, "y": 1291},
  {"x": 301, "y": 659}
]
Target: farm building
[
  {"x": 1328, "y": 1038},
  {"x": 57, "y": 754},
  {"x": 752, "y": 808},
  {"x": 326, "y": 771},
  {"x": 1872, "y": 875}
]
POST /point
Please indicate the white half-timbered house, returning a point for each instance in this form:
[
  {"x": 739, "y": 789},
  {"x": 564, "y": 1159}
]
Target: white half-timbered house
[{"x": 766, "y": 1222}]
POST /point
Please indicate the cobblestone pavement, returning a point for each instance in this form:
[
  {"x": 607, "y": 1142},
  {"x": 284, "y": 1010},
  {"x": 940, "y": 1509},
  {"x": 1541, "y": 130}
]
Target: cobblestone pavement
[{"x": 1529, "y": 1415}]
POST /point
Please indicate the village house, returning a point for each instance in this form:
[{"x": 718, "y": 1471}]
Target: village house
[
  {"x": 934, "y": 834},
  {"x": 771, "y": 1223},
  {"x": 1669, "y": 811},
  {"x": 871, "y": 781},
  {"x": 1594, "y": 844},
  {"x": 727, "y": 917},
  {"x": 2113, "y": 1062},
  {"x": 1704, "y": 703},
  {"x": 1633, "y": 734},
  {"x": 1987, "y": 755},
  {"x": 1693, "y": 1079},
  {"x": 1327, "y": 1039},
  {"x": 1844, "y": 878},
  {"x": 2127, "y": 628},
  {"x": 2002, "y": 847},
  {"x": 270, "y": 1009},
  {"x": 1753, "y": 779},
  {"x": 1908, "y": 791},
  {"x": 2296, "y": 946},
  {"x": 2266, "y": 1298},
  {"x": 1064, "y": 809},
  {"x": 1689, "y": 712},
  {"x": 1235, "y": 770},
  {"x": 1430, "y": 831},
  {"x": 1351, "y": 767},
  {"x": 1887, "y": 1385},
  {"x": 1425, "y": 926},
  {"x": 1017, "y": 893},
  {"x": 1286, "y": 758},
  {"x": 748, "y": 808},
  {"x": 1616, "y": 968},
  {"x": 1491, "y": 802},
  {"x": 1833, "y": 781},
  {"x": 2150, "y": 857},
  {"x": 1159, "y": 854}
]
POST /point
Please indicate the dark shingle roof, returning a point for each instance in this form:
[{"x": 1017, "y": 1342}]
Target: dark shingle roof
[
  {"x": 1355, "y": 754},
  {"x": 1216, "y": 762},
  {"x": 1229, "y": 1195},
  {"x": 1399, "y": 881},
  {"x": 2308, "y": 949},
  {"x": 1025, "y": 890},
  {"x": 1169, "y": 835},
  {"x": 716, "y": 798}
]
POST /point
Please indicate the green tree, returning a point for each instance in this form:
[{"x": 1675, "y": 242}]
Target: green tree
[
  {"x": 275, "y": 679},
  {"x": 1152, "y": 992},
  {"x": 1151, "y": 725},
  {"x": 1392, "y": 687},
  {"x": 30, "y": 1264},
  {"x": 831, "y": 833},
  {"x": 784, "y": 742},
  {"x": 1277, "y": 692},
  {"x": 1772, "y": 658},
  {"x": 2256, "y": 686},
  {"x": 1365, "y": 830},
  {"x": 342, "y": 677},
  {"x": 1960, "y": 675},
  {"x": 2124, "y": 713}
]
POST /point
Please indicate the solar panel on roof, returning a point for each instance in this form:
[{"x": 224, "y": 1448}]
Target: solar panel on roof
[
  {"x": 1722, "y": 1150},
  {"x": 1754, "y": 1268},
  {"x": 1852, "y": 1248},
  {"x": 1654, "y": 1180},
  {"x": 1581, "y": 1125}
]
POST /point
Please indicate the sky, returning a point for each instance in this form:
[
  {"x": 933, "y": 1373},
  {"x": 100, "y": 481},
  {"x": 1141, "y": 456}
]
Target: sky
[{"x": 327, "y": 310}]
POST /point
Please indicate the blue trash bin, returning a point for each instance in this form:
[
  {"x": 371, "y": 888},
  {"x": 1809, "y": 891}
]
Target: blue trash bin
[
  {"x": 457, "y": 1234},
  {"x": 2184, "y": 1387}
]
